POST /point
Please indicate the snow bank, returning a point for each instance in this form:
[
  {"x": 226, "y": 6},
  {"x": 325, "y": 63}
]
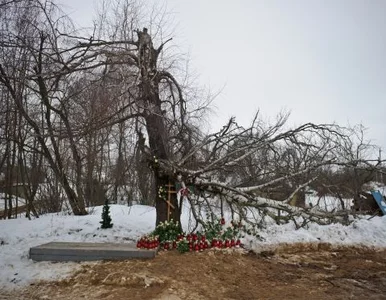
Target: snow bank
[
  {"x": 362, "y": 232},
  {"x": 17, "y": 236}
]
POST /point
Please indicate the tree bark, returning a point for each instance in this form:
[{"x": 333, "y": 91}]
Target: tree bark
[{"x": 157, "y": 133}]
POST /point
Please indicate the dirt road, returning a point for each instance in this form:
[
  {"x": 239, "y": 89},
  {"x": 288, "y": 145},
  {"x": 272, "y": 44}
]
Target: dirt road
[{"x": 290, "y": 272}]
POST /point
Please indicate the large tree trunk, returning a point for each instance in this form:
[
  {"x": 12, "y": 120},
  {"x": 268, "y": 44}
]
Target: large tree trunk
[
  {"x": 157, "y": 133},
  {"x": 158, "y": 144}
]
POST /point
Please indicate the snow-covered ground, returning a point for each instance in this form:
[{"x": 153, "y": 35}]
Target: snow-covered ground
[{"x": 18, "y": 235}]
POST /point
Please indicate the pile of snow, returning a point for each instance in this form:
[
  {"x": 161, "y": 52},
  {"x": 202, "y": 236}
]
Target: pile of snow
[
  {"x": 362, "y": 232},
  {"x": 17, "y": 236}
]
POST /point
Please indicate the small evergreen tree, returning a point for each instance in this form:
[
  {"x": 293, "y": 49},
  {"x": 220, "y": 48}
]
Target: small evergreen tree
[{"x": 106, "y": 219}]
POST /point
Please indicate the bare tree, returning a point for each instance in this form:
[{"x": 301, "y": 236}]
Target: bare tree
[{"x": 51, "y": 58}]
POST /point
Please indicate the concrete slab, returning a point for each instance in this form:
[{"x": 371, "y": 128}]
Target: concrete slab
[{"x": 69, "y": 251}]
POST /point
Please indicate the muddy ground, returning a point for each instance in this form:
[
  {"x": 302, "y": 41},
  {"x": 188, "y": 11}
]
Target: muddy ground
[{"x": 290, "y": 272}]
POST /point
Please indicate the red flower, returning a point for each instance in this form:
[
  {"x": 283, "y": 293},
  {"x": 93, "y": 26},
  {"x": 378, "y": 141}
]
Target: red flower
[{"x": 222, "y": 221}]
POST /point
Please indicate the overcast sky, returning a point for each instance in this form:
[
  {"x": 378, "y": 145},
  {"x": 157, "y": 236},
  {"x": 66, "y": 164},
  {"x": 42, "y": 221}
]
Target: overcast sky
[{"x": 325, "y": 61}]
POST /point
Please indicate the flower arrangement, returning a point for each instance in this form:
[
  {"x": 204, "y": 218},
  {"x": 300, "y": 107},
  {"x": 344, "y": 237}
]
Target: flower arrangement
[
  {"x": 167, "y": 231},
  {"x": 148, "y": 242},
  {"x": 216, "y": 234}
]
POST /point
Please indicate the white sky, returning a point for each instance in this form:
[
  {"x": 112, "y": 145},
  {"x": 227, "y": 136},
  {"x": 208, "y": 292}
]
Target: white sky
[{"x": 325, "y": 60}]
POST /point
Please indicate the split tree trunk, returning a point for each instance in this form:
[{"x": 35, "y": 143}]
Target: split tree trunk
[{"x": 157, "y": 132}]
